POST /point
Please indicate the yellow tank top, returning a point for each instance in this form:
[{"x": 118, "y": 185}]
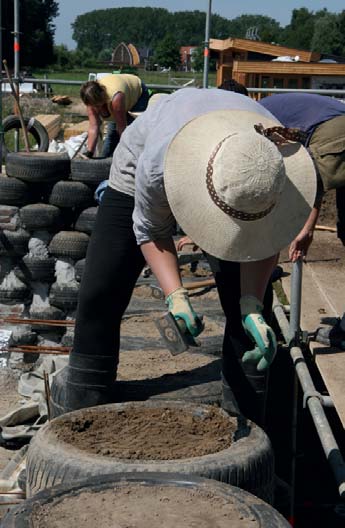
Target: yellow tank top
[{"x": 128, "y": 84}]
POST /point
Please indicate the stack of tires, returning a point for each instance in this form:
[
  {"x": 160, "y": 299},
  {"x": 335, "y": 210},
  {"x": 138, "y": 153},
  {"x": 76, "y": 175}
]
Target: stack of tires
[{"x": 47, "y": 212}]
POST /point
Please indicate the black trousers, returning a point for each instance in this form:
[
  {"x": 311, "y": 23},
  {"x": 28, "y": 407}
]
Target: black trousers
[
  {"x": 113, "y": 265},
  {"x": 247, "y": 384}
]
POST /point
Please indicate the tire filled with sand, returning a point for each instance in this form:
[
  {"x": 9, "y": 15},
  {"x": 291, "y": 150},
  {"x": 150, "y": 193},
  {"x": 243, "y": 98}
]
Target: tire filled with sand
[
  {"x": 145, "y": 501},
  {"x": 159, "y": 436}
]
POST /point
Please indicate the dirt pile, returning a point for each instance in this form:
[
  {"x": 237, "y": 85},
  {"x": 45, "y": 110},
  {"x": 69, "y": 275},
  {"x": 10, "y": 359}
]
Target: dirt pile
[
  {"x": 139, "y": 433},
  {"x": 144, "y": 507}
]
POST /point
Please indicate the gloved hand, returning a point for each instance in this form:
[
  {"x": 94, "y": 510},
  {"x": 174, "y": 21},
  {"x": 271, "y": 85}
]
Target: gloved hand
[
  {"x": 88, "y": 154},
  {"x": 180, "y": 307},
  {"x": 258, "y": 330}
]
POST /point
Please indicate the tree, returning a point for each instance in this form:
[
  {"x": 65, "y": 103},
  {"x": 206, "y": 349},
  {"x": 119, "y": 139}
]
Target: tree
[
  {"x": 268, "y": 28},
  {"x": 37, "y": 31},
  {"x": 168, "y": 53},
  {"x": 300, "y": 31},
  {"x": 97, "y": 29},
  {"x": 63, "y": 58},
  {"x": 127, "y": 24},
  {"x": 327, "y": 37}
]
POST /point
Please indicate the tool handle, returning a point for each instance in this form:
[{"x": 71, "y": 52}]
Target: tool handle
[{"x": 199, "y": 284}]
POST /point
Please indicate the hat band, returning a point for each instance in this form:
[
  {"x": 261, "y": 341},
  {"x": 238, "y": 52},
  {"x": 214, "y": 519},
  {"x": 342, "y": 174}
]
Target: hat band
[{"x": 230, "y": 211}]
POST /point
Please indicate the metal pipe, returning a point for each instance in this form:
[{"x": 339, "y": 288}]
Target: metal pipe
[
  {"x": 16, "y": 50},
  {"x": 295, "y": 303},
  {"x": 207, "y": 45},
  {"x": 16, "y": 45},
  {"x": 168, "y": 87},
  {"x": 314, "y": 402},
  {"x": 1, "y": 127},
  {"x": 294, "y": 332}
]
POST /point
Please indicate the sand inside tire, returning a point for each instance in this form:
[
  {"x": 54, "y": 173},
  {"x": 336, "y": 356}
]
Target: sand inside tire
[{"x": 139, "y": 506}]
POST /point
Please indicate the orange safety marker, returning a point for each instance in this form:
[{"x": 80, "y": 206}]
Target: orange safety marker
[{"x": 16, "y": 46}]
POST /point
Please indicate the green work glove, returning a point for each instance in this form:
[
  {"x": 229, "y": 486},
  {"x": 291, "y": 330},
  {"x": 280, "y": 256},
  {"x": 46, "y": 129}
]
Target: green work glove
[
  {"x": 258, "y": 330},
  {"x": 180, "y": 307}
]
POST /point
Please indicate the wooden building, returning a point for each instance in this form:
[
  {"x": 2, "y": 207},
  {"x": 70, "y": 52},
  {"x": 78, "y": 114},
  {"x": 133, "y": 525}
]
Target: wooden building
[
  {"x": 261, "y": 65},
  {"x": 125, "y": 55}
]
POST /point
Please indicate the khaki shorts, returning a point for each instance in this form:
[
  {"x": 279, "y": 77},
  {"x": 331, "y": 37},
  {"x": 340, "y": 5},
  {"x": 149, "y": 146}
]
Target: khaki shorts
[{"x": 327, "y": 146}]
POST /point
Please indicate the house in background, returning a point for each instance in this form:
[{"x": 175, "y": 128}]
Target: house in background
[
  {"x": 125, "y": 55},
  {"x": 129, "y": 55},
  {"x": 186, "y": 54},
  {"x": 261, "y": 65}
]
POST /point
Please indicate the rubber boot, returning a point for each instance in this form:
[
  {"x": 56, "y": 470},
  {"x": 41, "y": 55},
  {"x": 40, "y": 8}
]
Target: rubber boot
[
  {"x": 87, "y": 381},
  {"x": 332, "y": 335}
]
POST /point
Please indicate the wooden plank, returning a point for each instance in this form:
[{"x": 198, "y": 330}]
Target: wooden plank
[
  {"x": 76, "y": 130},
  {"x": 331, "y": 364},
  {"x": 52, "y": 123},
  {"x": 296, "y": 68},
  {"x": 262, "y": 47}
]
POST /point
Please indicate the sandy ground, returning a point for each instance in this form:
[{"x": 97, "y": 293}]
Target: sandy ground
[{"x": 9, "y": 400}]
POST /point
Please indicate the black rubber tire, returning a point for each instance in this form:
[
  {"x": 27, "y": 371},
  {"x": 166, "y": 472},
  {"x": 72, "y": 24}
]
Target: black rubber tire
[
  {"x": 248, "y": 463},
  {"x": 33, "y": 127},
  {"x": 69, "y": 244},
  {"x": 86, "y": 220},
  {"x": 13, "y": 191},
  {"x": 50, "y": 312},
  {"x": 249, "y": 507},
  {"x": 36, "y": 269},
  {"x": 14, "y": 243},
  {"x": 63, "y": 297},
  {"x": 15, "y": 295},
  {"x": 92, "y": 171},
  {"x": 38, "y": 166},
  {"x": 79, "y": 269},
  {"x": 40, "y": 216},
  {"x": 67, "y": 194}
]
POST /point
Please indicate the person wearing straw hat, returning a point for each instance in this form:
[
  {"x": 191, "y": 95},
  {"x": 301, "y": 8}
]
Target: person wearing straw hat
[{"x": 210, "y": 160}]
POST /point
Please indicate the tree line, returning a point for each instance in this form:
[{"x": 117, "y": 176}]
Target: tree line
[
  {"x": 97, "y": 32},
  {"x": 320, "y": 31}
]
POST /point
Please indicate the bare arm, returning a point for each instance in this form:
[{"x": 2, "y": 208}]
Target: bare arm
[
  {"x": 94, "y": 128},
  {"x": 118, "y": 112},
  {"x": 299, "y": 247},
  {"x": 255, "y": 276},
  {"x": 162, "y": 259}
]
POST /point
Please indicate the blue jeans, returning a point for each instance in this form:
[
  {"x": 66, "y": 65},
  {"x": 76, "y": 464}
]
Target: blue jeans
[{"x": 112, "y": 138}]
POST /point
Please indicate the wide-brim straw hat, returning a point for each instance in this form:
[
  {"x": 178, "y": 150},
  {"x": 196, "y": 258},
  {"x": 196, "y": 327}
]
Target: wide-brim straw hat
[{"x": 238, "y": 196}]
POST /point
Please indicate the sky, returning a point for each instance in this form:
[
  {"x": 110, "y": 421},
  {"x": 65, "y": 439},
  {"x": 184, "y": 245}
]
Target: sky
[{"x": 280, "y": 11}]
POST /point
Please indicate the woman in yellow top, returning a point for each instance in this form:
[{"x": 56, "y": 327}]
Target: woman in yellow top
[{"x": 110, "y": 99}]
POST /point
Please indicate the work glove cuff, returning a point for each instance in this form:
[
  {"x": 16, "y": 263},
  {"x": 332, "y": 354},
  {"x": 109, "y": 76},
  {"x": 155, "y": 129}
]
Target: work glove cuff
[
  {"x": 249, "y": 304},
  {"x": 180, "y": 293},
  {"x": 181, "y": 308}
]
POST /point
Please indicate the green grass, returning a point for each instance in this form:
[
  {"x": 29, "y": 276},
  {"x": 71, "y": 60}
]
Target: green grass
[{"x": 170, "y": 78}]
